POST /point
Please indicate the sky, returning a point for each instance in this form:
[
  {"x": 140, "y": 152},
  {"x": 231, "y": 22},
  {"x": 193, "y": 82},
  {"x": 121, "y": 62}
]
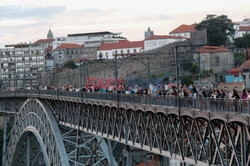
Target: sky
[{"x": 30, "y": 20}]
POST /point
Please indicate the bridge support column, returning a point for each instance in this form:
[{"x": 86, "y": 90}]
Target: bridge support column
[
  {"x": 243, "y": 145},
  {"x": 164, "y": 161},
  {"x": 28, "y": 151},
  {"x": 4, "y": 137}
]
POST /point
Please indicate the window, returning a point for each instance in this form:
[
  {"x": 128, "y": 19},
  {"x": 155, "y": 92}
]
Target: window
[
  {"x": 128, "y": 51},
  {"x": 134, "y": 50},
  {"x": 116, "y": 52}
]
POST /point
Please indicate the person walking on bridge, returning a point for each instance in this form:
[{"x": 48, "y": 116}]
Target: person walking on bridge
[{"x": 235, "y": 97}]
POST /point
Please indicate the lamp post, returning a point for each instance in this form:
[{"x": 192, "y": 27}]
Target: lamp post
[
  {"x": 24, "y": 81},
  {"x": 177, "y": 79},
  {"x": 80, "y": 77},
  {"x": 199, "y": 63},
  {"x": 57, "y": 82}
]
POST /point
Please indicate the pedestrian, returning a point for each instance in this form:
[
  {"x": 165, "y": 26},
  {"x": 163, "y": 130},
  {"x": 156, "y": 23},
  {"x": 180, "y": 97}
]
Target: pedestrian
[{"x": 235, "y": 98}]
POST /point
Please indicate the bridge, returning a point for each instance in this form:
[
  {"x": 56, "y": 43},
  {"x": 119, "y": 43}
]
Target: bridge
[{"x": 45, "y": 127}]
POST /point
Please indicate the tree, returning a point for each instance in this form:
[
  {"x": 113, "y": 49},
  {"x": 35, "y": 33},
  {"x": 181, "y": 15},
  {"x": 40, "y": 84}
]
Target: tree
[
  {"x": 243, "y": 42},
  {"x": 239, "y": 58},
  {"x": 187, "y": 80},
  {"x": 219, "y": 29},
  {"x": 71, "y": 64},
  {"x": 194, "y": 68}
]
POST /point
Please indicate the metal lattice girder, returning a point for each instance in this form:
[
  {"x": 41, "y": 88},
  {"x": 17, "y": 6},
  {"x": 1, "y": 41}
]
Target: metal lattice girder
[
  {"x": 149, "y": 123},
  {"x": 92, "y": 150},
  {"x": 194, "y": 140},
  {"x": 36, "y": 117}
]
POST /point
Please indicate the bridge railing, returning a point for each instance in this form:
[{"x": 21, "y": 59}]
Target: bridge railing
[{"x": 202, "y": 104}]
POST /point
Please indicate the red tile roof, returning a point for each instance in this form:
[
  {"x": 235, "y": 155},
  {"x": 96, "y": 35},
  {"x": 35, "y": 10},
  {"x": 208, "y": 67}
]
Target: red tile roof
[
  {"x": 231, "y": 85},
  {"x": 156, "y": 37},
  {"x": 184, "y": 28},
  {"x": 245, "y": 65},
  {"x": 211, "y": 49},
  {"x": 120, "y": 45},
  {"x": 68, "y": 45},
  {"x": 43, "y": 41},
  {"x": 82, "y": 60},
  {"x": 236, "y": 71},
  {"x": 49, "y": 48},
  {"x": 244, "y": 28},
  {"x": 151, "y": 163}
]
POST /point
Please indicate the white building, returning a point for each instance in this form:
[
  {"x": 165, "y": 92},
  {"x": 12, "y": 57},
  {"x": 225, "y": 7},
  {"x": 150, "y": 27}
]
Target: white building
[
  {"x": 245, "y": 22},
  {"x": 158, "y": 41},
  {"x": 183, "y": 30},
  {"x": 82, "y": 38},
  {"x": 120, "y": 48},
  {"x": 240, "y": 30}
]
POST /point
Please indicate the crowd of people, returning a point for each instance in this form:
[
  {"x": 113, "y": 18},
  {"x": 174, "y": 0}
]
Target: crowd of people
[{"x": 161, "y": 89}]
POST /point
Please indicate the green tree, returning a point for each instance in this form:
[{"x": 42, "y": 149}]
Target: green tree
[
  {"x": 71, "y": 64},
  {"x": 187, "y": 80},
  {"x": 194, "y": 68},
  {"x": 219, "y": 28},
  {"x": 243, "y": 42},
  {"x": 239, "y": 58}
]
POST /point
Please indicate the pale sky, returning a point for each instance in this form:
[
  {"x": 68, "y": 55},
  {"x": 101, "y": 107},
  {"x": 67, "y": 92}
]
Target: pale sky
[{"x": 29, "y": 20}]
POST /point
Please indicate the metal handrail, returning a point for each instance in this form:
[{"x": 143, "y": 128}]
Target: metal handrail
[{"x": 203, "y": 104}]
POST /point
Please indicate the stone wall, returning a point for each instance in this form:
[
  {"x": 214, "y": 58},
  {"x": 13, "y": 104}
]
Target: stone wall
[
  {"x": 1, "y": 122},
  {"x": 161, "y": 61}
]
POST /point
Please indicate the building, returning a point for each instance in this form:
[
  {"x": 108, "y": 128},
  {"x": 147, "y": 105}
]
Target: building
[
  {"x": 244, "y": 22},
  {"x": 121, "y": 48},
  {"x": 240, "y": 74},
  {"x": 158, "y": 41},
  {"x": 183, "y": 30},
  {"x": 63, "y": 53},
  {"x": 240, "y": 31},
  {"x": 21, "y": 64},
  {"x": 46, "y": 44},
  {"x": 50, "y": 35},
  {"x": 82, "y": 38},
  {"x": 216, "y": 59},
  {"x": 149, "y": 33}
]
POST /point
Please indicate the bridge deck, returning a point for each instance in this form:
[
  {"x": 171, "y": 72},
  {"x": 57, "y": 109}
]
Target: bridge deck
[{"x": 207, "y": 108}]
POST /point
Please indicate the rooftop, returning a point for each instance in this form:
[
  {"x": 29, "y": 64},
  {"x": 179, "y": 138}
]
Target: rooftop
[
  {"x": 244, "y": 28},
  {"x": 212, "y": 49},
  {"x": 68, "y": 45},
  {"x": 91, "y": 34},
  {"x": 121, "y": 44},
  {"x": 43, "y": 41},
  {"x": 49, "y": 48},
  {"x": 156, "y": 37},
  {"x": 184, "y": 28}
]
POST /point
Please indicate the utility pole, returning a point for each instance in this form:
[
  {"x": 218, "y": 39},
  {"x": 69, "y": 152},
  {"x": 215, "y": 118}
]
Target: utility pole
[
  {"x": 177, "y": 78},
  {"x": 199, "y": 58}
]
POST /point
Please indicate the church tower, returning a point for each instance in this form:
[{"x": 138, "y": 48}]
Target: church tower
[
  {"x": 50, "y": 35},
  {"x": 149, "y": 33}
]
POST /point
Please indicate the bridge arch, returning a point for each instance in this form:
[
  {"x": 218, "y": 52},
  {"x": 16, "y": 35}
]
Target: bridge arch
[{"x": 36, "y": 117}]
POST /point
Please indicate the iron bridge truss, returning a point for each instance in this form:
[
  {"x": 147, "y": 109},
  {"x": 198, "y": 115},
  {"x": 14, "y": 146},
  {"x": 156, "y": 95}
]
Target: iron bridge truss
[{"x": 66, "y": 131}]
